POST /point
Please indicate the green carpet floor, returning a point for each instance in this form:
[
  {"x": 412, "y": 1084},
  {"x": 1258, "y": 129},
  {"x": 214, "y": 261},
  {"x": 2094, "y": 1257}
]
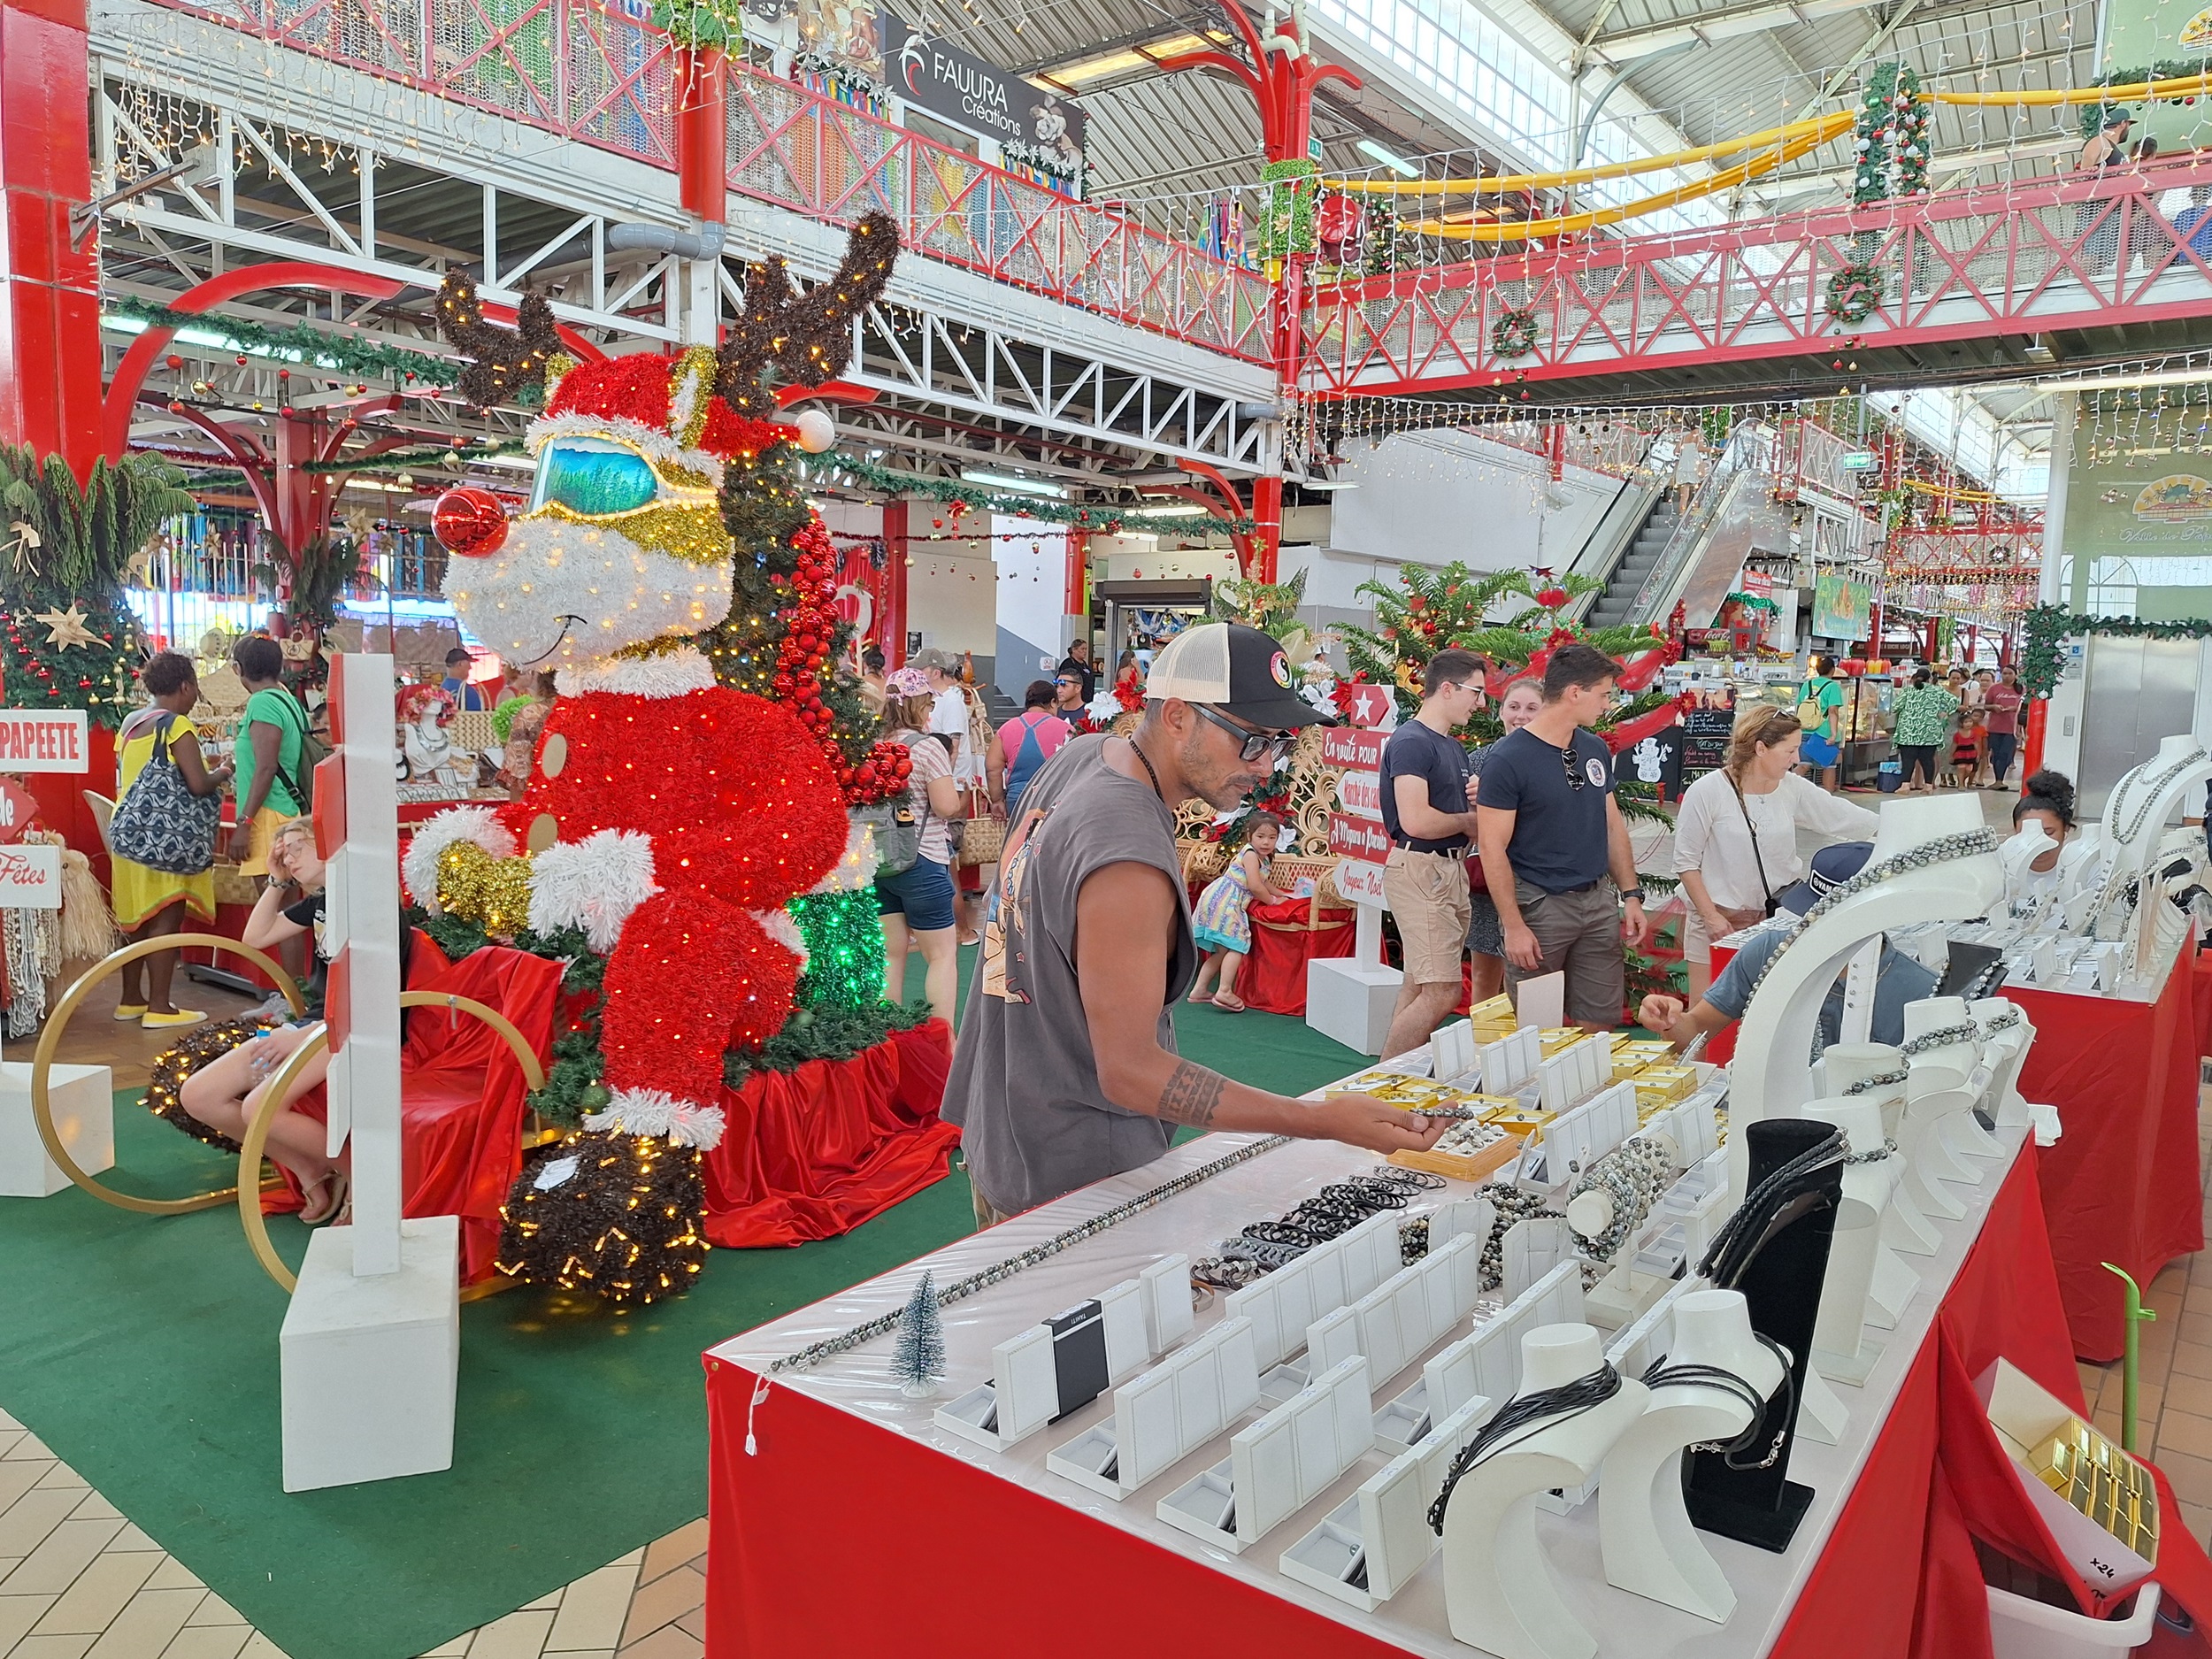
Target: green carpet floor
[{"x": 144, "y": 1352}]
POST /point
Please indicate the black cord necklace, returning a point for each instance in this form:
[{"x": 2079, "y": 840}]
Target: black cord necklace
[
  {"x": 1660, "y": 1375},
  {"x": 1533, "y": 1413},
  {"x": 1782, "y": 1198},
  {"x": 1146, "y": 762}
]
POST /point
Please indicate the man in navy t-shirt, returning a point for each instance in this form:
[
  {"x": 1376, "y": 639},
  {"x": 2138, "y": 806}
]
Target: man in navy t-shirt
[
  {"x": 1551, "y": 834},
  {"x": 1424, "y": 807}
]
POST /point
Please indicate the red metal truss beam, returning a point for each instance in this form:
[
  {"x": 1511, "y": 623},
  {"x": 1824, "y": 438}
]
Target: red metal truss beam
[{"x": 1968, "y": 264}]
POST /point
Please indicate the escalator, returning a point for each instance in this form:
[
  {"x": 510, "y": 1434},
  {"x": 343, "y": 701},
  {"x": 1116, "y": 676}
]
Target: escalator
[
  {"x": 1638, "y": 559},
  {"x": 1701, "y": 555}
]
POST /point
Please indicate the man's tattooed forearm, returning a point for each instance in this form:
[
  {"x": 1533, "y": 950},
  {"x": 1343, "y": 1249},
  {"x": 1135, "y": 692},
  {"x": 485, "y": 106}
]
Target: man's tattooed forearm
[{"x": 1192, "y": 1095}]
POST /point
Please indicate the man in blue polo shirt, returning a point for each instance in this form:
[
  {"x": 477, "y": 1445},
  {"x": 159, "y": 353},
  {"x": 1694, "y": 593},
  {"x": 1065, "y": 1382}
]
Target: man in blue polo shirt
[{"x": 1551, "y": 834}]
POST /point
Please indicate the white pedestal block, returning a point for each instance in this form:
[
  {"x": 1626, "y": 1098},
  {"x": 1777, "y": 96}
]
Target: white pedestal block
[
  {"x": 369, "y": 1364},
  {"x": 83, "y": 1098},
  {"x": 1349, "y": 1002}
]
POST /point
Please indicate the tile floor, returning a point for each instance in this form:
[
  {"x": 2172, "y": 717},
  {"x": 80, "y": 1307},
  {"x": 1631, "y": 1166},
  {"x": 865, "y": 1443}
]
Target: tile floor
[{"x": 77, "y": 1581}]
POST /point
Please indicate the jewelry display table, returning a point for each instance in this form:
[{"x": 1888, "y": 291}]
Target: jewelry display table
[
  {"x": 2123, "y": 1184},
  {"x": 820, "y": 1475}
]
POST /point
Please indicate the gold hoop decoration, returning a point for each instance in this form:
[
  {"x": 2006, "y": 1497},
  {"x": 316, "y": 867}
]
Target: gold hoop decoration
[
  {"x": 49, "y": 1040},
  {"x": 256, "y": 1140}
]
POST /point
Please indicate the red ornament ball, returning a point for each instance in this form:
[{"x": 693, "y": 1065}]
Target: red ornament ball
[
  {"x": 469, "y": 521},
  {"x": 173, "y": 361}
]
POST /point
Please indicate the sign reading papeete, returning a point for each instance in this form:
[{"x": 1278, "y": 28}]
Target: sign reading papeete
[
  {"x": 958, "y": 87},
  {"x": 30, "y": 877},
  {"x": 45, "y": 741}
]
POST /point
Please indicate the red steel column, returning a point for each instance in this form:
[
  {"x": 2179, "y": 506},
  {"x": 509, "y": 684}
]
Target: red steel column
[
  {"x": 702, "y": 133},
  {"x": 50, "y": 325},
  {"x": 1076, "y": 601}
]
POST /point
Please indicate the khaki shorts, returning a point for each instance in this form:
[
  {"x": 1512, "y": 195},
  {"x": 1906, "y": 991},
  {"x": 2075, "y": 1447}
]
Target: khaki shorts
[
  {"x": 1580, "y": 934},
  {"x": 1428, "y": 895}
]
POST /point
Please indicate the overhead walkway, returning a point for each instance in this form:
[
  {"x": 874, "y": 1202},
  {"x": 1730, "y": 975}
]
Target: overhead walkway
[{"x": 1964, "y": 283}]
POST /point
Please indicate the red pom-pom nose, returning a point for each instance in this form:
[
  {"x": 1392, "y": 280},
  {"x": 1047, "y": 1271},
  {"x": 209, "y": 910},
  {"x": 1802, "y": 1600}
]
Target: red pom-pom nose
[{"x": 469, "y": 521}]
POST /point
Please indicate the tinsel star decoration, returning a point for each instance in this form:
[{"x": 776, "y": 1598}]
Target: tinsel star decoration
[{"x": 67, "y": 628}]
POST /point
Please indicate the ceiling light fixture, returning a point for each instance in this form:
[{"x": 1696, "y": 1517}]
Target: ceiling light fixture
[
  {"x": 1397, "y": 163},
  {"x": 1022, "y": 486}
]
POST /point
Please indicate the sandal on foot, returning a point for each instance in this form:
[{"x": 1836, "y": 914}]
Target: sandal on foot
[
  {"x": 1229, "y": 1002},
  {"x": 1200, "y": 996},
  {"x": 335, "y": 1200}
]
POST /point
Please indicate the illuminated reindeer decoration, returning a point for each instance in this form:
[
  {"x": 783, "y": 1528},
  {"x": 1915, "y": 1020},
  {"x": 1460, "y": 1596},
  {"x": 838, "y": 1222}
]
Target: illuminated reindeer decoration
[{"x": 668, "y": 816}]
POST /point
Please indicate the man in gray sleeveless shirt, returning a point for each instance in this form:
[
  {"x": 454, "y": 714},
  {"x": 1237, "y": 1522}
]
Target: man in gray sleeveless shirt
[{"x": 1066, "y": 1070}]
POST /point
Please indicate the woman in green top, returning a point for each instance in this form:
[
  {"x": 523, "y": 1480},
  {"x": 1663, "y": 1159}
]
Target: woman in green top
[
  {"x": 1924, "y": 716},
  {"x": 267, "y": 754},
  {"x": 1822, "y": 748}
]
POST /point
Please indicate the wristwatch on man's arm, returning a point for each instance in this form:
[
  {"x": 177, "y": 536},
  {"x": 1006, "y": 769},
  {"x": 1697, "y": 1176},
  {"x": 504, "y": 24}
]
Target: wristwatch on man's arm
[{"x": 1636, "y": 893}]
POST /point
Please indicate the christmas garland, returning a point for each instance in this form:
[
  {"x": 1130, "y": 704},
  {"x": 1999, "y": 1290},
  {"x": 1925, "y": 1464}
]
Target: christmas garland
[
  {"x": 1287, "y": 209},
  {"x": 301, "y": 342},
  {"x": 463, "y": 449},
  {"x": 2049, "y": 626},
  {"x": 1854, "y": 292},
  {"x": 1042, "y": 158},
  {"x": 966, "y": 497},
  {"x": 701, "y": 25},
  {"x": 2094, "y": 116},
  {"x": 1514, "y": 335},
  {"x": 1891, "y": 137},
  {"x": 842, "y": 76}
]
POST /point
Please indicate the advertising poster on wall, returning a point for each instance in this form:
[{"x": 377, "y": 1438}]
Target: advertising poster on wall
[
  {"x": 958, "y": 87},
  {"x": 1842, "y": 607}
]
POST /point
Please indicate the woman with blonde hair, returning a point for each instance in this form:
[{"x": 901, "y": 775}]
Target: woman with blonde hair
[{"x": 1735, "y": 834}]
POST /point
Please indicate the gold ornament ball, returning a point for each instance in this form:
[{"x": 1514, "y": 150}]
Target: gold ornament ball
[{"x": 495, "y": 892}]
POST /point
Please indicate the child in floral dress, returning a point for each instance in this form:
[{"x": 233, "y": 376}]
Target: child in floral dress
[{"x": 1220, "y": 922}]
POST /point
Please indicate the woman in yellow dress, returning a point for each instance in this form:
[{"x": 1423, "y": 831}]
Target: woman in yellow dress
[{"x": 151, "y": 903}]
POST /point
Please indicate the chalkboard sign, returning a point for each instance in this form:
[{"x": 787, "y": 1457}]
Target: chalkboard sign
[{"x": 1705, "y": 734}]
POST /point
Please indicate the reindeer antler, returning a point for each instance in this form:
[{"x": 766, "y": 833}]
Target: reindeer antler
[
  {"x": 502, "y": 361},
  {"x": 809, "y": 337}
]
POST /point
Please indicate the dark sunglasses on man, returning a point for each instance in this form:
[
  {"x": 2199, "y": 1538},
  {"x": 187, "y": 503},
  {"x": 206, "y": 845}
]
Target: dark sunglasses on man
[{"x": 1256, "y": 743}]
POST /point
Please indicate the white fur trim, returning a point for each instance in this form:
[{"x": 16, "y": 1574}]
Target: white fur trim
[
  {"x": 657, "y": 1113},
  {"x": 657, "y": 446},
  {"x": 857, "y": 867},
  {"x": 592, "y": 884},
  {"x": 780, "y": 926},
  {"x": 478, "y": 823},
  {"x": 669, "y": 674}
]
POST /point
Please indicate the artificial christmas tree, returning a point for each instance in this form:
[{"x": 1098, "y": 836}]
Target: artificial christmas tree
[{"x": 917, "y": 1358}]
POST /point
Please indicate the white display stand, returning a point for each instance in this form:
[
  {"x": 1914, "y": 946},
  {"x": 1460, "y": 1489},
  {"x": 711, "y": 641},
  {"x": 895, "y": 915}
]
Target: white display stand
[
  {"x": 1350, "y": 999},
  {"x": 372, "y": 1342},
  {"x": 1499, "y": 1588},
  {"x": 1771, "y": 1076},
  {"x": 2127, "y": 806},
  {"x": 1651, "y": 1548},
  {"x": 1842, "y": 1349},
  {"x": 83, "y": 1101},
  {"x": 369, "y": 1360}
]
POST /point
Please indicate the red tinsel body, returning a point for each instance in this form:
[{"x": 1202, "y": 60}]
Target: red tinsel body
[
  {"x": 738, "y": 799},
  {"x": 691, "y": 977}
]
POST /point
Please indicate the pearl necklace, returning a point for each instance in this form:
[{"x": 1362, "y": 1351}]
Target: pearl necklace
[
  {"x": 2151, "y": 793},
  {"x": 1633, "y": 1175},
  {"x": 1941, "y": 1038},
  {"x": 1942, "y": 850},
  {"x": 2005, "y": 1021},
  {"x": 1866, "y": 1085},
  {"x": 829, "y": 1346}
]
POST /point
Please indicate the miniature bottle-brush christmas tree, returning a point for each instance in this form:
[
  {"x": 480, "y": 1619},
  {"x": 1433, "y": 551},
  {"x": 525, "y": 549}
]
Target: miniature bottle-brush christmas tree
[{"x": 917, "y": 1359}]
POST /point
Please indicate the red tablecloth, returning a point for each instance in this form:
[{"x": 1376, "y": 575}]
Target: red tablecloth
[
  {"x": 1274, "y": 976},
  {"x": 2122, "y": 1184},
  {"x": 1897, "y": 1578},
  {"x": 813, "y": 1153},
  {"x": 1935, "y": 1481}
]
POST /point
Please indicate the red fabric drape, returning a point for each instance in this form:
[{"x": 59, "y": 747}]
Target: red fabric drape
[
  {"x": 462, "y": 1093},
  {"x": 1274, "y": 980},
  {"x": 2122, "y": 1184},
  {"x": 1937, "y": 1478},
  {"x": 813, "y": 1153}
]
